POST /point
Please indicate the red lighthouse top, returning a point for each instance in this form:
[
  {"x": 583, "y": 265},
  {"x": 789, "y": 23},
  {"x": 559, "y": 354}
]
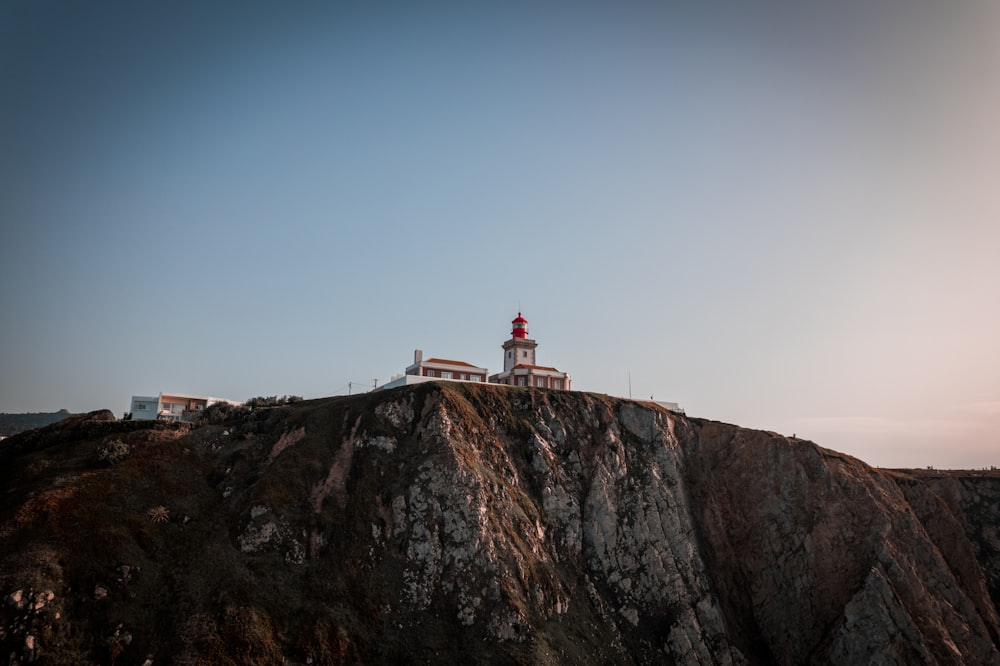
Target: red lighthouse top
[{"x": 520, "y": 327}]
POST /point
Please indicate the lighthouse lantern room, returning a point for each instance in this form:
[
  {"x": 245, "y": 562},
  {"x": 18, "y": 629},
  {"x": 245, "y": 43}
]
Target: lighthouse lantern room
[{"x": 520, "y": 325}]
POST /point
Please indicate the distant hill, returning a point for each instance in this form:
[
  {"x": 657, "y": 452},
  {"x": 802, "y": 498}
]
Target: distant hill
[{"x": 11, "y": 424}]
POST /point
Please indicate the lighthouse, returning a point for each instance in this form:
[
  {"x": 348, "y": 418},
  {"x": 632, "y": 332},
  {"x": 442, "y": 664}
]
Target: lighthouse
[
  {"x": 519, "y": 350},
  {"x": 519, "y": 366}
]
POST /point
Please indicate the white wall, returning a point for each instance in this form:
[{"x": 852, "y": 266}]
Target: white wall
[{"x": 144, "y": 407}]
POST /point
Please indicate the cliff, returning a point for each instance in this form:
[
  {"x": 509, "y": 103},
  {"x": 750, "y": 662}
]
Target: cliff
[{"x": 449, "y": 523}]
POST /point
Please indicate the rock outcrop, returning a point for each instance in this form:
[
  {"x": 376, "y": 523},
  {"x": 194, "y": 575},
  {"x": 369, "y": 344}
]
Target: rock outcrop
[{"x": 456, "y": 523}]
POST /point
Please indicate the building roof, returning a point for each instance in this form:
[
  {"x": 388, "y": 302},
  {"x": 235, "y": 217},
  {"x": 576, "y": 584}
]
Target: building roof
[
  {"x": 535, "y": 367},
  {"x": 444, "y": 361}
]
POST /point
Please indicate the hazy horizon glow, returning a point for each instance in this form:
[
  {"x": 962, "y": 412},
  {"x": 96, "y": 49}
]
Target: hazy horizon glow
[{"x": 782, "y": 217}]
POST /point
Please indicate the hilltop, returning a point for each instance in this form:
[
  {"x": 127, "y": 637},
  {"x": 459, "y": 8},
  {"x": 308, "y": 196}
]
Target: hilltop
[
  {"x": 11, "y": 424},
  {"x": 463, "y": 523}
]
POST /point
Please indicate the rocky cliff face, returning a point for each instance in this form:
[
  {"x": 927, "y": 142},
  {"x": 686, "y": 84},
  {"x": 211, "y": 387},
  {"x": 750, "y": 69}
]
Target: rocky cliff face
[{"x": 448, "y": 523}]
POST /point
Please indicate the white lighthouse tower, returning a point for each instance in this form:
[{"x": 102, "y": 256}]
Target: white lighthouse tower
[
  {"x": 519, "y": 366},
  {"x": 519, "y": 350}
]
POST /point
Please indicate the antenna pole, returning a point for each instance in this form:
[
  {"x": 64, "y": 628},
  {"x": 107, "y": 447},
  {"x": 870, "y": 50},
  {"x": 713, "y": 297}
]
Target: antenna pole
[{"x": 629, "y": 384}]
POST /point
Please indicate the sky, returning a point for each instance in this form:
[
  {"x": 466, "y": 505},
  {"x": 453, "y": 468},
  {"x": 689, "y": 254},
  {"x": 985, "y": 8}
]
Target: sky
[{"x": 777, "y": 215}]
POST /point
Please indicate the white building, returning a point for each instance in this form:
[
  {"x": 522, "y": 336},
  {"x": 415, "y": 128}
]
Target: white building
[
  {"x": 435, "y": 369},
  {"x": 145, "y": 407},
  {"x": 172, "y": 406}
]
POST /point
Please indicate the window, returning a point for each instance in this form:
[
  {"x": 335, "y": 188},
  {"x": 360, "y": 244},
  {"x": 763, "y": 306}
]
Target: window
[
  {"x": 520, "y": 381},
  {"x": 140, "y": 406},
  {"x": 430, "y": 373},
  {"x": 540, "y": 383},
  {"x": 508, "y": 354},
  {"x": 557, "y": 383},
  {"x": 445, "y": 375},
  {"x": 476, "y": 378}
]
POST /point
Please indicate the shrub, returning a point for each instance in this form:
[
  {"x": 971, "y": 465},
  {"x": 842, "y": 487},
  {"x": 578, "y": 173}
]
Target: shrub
[
  {"x": 113, "y": 451},
  {"x": 272, "y": 401},
  {"x": 220, "y": 412}
]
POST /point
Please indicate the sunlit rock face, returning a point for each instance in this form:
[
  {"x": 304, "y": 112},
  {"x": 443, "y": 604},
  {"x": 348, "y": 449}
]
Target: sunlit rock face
[{"x": 455, "y": 523}]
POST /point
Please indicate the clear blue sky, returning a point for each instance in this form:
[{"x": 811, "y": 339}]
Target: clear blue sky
[{"x": 781, "y": 217}]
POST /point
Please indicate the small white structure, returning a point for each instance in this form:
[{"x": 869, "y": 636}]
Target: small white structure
[
  {"x": 671, "y": 406},
  {"x": 437, "y": 369},
  {"x": 172, "y": 406}
]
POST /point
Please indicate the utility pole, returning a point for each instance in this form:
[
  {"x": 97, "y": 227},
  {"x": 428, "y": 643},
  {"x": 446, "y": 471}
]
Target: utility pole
[{"x": 348, "y": 388}]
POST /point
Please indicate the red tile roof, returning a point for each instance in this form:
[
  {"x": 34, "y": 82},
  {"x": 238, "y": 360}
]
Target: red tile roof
[
  {"x": 444, "y": 361},
  {"x": 535, "y": 367}
]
